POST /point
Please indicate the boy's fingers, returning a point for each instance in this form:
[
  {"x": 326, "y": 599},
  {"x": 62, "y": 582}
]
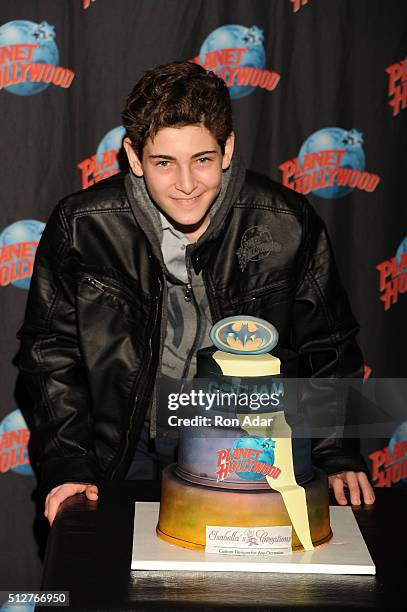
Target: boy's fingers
[
  {"x": 59, "y": 494},
  {"x": 91, "y": 492},
  {"x": 337, "y": 486}
]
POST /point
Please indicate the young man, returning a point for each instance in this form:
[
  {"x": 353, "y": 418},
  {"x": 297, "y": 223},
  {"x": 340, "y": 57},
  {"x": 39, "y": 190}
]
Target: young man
[{"x": 131, "y": 273}]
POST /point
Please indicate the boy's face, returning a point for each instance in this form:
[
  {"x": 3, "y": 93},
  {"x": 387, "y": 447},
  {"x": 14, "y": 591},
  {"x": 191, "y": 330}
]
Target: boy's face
[{"x": 182, "y": 168}]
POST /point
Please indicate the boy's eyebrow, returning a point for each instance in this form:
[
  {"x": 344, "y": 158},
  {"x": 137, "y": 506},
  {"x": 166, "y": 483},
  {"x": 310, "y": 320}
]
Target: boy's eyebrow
[
  {"x": 170, "y": 158},
  {"x": 201, "y": 153}
]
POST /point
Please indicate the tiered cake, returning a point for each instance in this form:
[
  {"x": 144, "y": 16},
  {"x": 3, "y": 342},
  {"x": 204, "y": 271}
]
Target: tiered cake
[{"x": 250, "y": 471}]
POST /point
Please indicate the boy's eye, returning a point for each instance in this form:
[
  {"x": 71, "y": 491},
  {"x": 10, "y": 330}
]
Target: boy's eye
[{"x": 165, "y": 163}]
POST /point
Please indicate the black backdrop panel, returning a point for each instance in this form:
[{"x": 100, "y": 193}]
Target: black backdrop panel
[{"x": 319, "y": 94}]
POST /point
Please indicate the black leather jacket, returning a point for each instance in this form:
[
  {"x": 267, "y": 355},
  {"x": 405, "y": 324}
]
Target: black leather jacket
[{"x": 91, "y": 336}]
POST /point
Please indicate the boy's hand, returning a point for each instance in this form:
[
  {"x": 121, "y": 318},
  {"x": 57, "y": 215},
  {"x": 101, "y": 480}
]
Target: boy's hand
[
  {"x": 355, "y": 482},
  {"x": 59, "y": 494}
]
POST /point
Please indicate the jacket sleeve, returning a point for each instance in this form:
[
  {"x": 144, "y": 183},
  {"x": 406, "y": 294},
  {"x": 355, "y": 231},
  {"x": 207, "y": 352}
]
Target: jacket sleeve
[
  {"x": 323, "y": 334},
  {"x": 61, "y": 444}
]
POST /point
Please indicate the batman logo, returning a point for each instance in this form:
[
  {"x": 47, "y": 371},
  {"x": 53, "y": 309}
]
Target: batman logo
[
  {"x": 247, "y": 335},
  {"x": 243, "y": 336}
]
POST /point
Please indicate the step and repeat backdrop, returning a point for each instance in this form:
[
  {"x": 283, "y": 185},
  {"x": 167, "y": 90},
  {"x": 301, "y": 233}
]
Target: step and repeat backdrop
[{"x": 319, "y": 94}]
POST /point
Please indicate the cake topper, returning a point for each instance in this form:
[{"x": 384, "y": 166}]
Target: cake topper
[{"x": 244, "y": 335}]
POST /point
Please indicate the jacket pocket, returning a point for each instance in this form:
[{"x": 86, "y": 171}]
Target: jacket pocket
[{"x": 113, "y": 334}]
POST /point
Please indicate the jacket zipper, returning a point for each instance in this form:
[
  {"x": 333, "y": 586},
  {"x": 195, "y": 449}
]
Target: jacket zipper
[
  {"x": 215, "y": 314},
  {"x": 114, "y": 289},
  {"x": 257, "y": 293},
  {"x": 133, "y": 396},
  {"x": 95, "y": 283},
  {"x": 189, "y": 297}
]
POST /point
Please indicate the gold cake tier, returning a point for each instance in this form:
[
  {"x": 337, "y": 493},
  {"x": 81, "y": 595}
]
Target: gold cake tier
[{"x": 186, "y": 509}]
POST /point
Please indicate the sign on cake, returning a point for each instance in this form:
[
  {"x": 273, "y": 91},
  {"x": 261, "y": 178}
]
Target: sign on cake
[{"x": 248, "y": 541}]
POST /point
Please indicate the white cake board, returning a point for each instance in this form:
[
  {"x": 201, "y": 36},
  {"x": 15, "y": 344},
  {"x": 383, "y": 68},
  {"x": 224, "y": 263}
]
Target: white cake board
[{"x": 346, "y": 553}]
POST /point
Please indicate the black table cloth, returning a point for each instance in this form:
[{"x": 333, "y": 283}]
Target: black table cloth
[{"x": 89, "y": 554}]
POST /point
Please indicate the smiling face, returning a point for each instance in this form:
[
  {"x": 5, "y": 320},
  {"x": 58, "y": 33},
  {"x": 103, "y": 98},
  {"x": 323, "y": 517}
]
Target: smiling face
[{"x": 182, "y": 168}]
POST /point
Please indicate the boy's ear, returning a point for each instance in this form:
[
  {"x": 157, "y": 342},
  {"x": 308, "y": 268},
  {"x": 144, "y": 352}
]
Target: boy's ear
[
  {"x": 229, "y": 148},
  {"x": 135, "y": 163}
]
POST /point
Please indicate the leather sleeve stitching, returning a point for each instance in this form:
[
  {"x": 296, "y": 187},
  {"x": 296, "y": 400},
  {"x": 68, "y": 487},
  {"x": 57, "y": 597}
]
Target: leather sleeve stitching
[
  {"x": 334, "y": 335},
  {"x": 323, "y": 301}
]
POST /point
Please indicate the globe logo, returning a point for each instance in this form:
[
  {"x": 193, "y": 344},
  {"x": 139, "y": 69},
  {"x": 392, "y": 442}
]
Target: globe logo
[
  {"x": 400, "y": 252},
  {"x": 86, "y": 3},
  {"x": 18, "y": 245},
  {"x": 12, "y": 607},
  {"x": 14, "y": 437},
  {"x": 244, "y": 335},
  {"x": 256, "y": 244},
  {"x": 335, "y": 139},
  {"x": 25, "y": 43},
  {"x": 229, "y": 49},
  {"x": 265, "y": 445},
  {"x": 398, "y": 437},
  {"x": 112, "y": 141},
  {"x": 104, "y": 162}
]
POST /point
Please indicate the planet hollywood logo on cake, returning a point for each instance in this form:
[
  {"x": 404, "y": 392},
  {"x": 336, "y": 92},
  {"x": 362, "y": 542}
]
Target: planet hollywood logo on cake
[
  {"x": 393, "y": 276},
  {"x": 256, "y": 244},
  {"x": 330, "y": 164},
  {"x": 29, "y": 58},
  {"x": 236, "y": 54},
  {"x": 397, "y": 86},
  {"x": 104, "y": 162},
  {"x": 297, "y": 4},
  {"x": 14, "y": 437},
  {"x": 249, "y": 458},
  {"x": 18, "y": 245},
  {"x": 389, "y": 464}
]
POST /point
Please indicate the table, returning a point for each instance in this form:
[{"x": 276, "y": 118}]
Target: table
[{"x": 89, "y": 553}]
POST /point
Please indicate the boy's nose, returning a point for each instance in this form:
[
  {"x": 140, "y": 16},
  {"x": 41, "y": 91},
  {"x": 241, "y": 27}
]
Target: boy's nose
[{"x": 186, "y": 181}]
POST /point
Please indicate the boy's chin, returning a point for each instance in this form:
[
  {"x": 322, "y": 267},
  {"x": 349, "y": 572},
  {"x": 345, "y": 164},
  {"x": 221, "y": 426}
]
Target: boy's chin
[{"x": 188, "y": 225}]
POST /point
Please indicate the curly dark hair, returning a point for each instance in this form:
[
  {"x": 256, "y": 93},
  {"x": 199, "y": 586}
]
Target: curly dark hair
[{"x": 177, "y": 94}]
